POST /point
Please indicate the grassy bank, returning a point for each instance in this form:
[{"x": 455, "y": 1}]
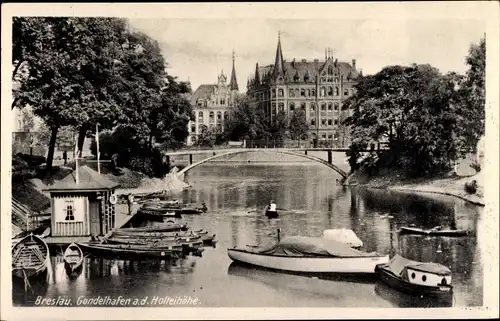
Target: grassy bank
[{"x": 445, "y": 185}]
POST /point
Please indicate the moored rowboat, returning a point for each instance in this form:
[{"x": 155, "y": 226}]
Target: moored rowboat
[
  {"x": 73, "y": 257},
  {"x": 168, "y": 227},
  {"x": 433, "y": 232},
  {"x": 136, "y": 251},
  {"x": 310, "y": 255},
  {"x": 30, "y": 257}
]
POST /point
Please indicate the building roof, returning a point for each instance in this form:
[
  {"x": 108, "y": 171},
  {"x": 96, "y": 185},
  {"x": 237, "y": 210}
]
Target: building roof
[
  {"x": 89, "y": 180},
  {"x": 203, "y": 92},
  {"x": 312, "y": 68}
]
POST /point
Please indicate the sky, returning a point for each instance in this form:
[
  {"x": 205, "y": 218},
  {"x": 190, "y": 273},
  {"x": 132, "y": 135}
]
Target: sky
[{"x": 199, "y": 49}]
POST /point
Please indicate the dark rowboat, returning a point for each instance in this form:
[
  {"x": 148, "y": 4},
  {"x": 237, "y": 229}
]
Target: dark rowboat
[
  {"x": 149, "y": 211},
  {"x": 149, "y": 240},
  {"x": 168, "y": 227},
  {"x": 73, "y": 258},
  {"x": 132, "y": 251},
  {"x": 162, "y": 236},
  {"x": 423, "y": 279},
  {"x": 433, "y": 232},
  {"x": 30, "y": 257}
]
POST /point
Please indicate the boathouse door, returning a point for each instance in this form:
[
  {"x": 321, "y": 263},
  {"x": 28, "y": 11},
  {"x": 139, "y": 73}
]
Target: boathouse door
[{"x": 95, "y": 223}]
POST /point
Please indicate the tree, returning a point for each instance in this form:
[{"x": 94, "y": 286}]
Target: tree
[
  {"x": 246, "y": 121},
  {"x": 67, "y": 72},
  {"x": 207, "y": 136},
  {"x": 298, "y": 126},
  {"x": 418, "y": 110}
]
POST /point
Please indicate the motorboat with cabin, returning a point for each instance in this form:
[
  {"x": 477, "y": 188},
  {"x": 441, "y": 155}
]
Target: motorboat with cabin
[{"x": 420, "y": 278}]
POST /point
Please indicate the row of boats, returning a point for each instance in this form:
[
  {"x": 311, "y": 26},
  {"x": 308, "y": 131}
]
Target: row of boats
[
  {"x": 166, "y": 241},
  {"x": 331, "y": 254}
]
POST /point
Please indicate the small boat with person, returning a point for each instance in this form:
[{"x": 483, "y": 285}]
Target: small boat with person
[
  {"x": 413, "y": 277},
  {"x": 30, "y": 257},
  {"x": 271, "y": 210},
  {"x": 73, "y": 258},
  {"x": 309, "y": 255},
  {"x": 436, "y": 231}
]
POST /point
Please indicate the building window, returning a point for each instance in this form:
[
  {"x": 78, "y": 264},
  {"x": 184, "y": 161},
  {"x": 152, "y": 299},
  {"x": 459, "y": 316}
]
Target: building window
[
  {"x": 273, "y": 93},
  {"x": 69, "y": 211},
  {"x": 329, "y": 106},
  {"x": 336, "y": 79},
  {"x": 336, "y": 91},
  {"x": 193, "y": 139},
  {"x": 330, "y": 136},
  {"x": 292, "y": 106},
  {"x": 226, "y": 115},
  {"x": 297, "y": 92},
  {"x": 309, "y": 93},
  {"x": 313, "y": 108},
  {"x": 313, "y": 122},
  {"x": 323, "y": 107},
  {"x": 323, "y": 122},
  {"x": 193, "y": 128},
  {"x": 219, "y": 115},
  {"x": 281, "y": 107},
  {"x": 280, "y": 92},
  {"x": 302, "y": 93},
  {"x": 211, "y": 116},
  {"x": 200, "y": 102},
  {"x": 336, "y": 106},
  {"x": 330, "y": 91},
  {"x": 303, "y": 106},
  {"x": 323, "y": 136},
  {"x": 322, "y": 92},
  {"x": 330, "y": 122},
  {"x": 222, "y": 101},
  {"x": 291, "y": 93},
  {"x": 346, "y": 92},
  {"x": 330, "y": 79},
  {"x": 200, "y": 114},
  {"x": 313, "y": 92},
  {"x": 336, "y": 121},
  {"x": 330, "y": 70}
]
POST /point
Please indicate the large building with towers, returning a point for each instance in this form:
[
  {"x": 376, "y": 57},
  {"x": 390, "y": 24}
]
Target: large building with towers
[
  {"x": 317, "y": 87},
  {"x": 211, "y": 104}
]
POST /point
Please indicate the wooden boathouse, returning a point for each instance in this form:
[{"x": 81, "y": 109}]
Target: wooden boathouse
[{"x": 83, "y": 204}]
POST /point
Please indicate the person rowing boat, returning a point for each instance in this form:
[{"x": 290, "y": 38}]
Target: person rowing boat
[{"x": 271, "y": 210}]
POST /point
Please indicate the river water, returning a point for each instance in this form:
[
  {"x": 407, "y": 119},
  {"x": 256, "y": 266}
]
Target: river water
[{"x": 235, "y": 195}]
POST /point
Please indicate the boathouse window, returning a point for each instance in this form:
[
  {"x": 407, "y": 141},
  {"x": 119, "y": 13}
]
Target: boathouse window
[
  {"x": 424, "y": 278},
  {"x": 69, "y": 211},
  {"x": 413, "y": 275}
]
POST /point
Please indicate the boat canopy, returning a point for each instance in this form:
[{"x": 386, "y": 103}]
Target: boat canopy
[
  {"x": 307, "y": 246},
  {"x": 398, "y": 263},
  {"x": 343, "y": 235}
]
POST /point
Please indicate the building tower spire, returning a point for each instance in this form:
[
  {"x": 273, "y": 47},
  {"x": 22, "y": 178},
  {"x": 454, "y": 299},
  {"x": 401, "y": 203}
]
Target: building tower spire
[
  {"x": 257, "y": 76},
  {"x": 279, "y": 69},
  {"x": 233, "y": 84}
]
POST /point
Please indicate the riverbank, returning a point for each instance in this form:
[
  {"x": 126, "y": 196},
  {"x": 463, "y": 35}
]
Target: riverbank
[{"x": 451, "y": 186}]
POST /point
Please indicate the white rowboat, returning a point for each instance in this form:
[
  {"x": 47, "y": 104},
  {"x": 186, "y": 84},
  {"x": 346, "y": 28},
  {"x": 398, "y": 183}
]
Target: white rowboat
[{"x": 310, "y": 255}]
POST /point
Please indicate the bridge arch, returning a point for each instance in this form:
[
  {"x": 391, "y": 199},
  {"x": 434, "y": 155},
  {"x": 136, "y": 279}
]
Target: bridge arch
[{"x": 310, "y": 157}]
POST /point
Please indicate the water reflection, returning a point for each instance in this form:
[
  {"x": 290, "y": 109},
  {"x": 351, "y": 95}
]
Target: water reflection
[{"x": 236, "y": 195}]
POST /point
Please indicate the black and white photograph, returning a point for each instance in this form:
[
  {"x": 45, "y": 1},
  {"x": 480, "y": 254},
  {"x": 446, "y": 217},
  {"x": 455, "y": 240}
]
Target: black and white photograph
[{"x": 251, "y": 156}]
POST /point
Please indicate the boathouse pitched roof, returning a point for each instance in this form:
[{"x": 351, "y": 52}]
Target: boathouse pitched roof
[{"x": 88, "y": 180}]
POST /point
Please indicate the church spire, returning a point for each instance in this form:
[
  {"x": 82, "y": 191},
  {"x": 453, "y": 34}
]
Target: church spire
[
  {"x": 257, "y": 76},
  {"x": 279, "y": 70},
  {"x": 233, "y": 84}
]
